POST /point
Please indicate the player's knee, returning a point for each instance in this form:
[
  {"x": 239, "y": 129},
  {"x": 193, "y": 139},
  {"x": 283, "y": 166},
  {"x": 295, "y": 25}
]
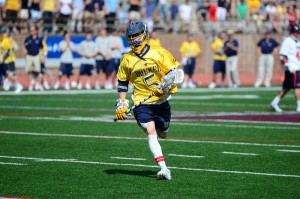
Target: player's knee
[{"x": 162, "y": 126}]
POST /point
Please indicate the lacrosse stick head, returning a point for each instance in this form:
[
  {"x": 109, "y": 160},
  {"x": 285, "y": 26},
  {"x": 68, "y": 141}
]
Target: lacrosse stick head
[{"x": 175, "y": 76}]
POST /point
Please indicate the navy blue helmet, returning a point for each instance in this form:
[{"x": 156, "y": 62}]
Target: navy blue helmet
[
  {"x": 294, "y": 28},
  {"x": 137, "y": 35}
]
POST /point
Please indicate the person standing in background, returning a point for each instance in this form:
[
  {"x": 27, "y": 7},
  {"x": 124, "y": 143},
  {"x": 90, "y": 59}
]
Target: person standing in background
[
  {"x": 116, "y": 47},
  {"x": 103, "y": 56},
  {"x": 154, "y": 41},
  {"x": 219, "y": 65},
  {"x": 266, "y": 49},
  {"x": 87, "y": 50},
  {"x": 67, "y": 47},
  {"x": 190, "y": 50},
  {"x": 231, "y": 51}
]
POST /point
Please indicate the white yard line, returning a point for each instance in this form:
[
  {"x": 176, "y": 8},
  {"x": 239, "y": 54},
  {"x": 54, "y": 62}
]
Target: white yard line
[
  {"x": 54, "y": 108},
  {"x": 236, "y": 153},
  {"x": 139, "y": 138},
  {"x": 12, "y": 163},
  {"x": 175, "y": 122},
  {"x": 292, "y": 151},
  {"x": 152, "y": 166},
  {"x": 125, "y": 158},
  {"x": 186, "y": 156},
  {"x": 209, "y": 97}
]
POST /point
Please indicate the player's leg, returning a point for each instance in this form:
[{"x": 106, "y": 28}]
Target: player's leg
[
  {"x": 297, "y": 89},
  {"x": 216, "y": 69},
  {"x": 229, "y": 74},
  {"x": 81, "y": 73},
  {"x": 144, "y": 116},
  {"x": 99, "y": 64},
  {"x": 235, "y": 72},
  {"x": 223, "y": 73}
]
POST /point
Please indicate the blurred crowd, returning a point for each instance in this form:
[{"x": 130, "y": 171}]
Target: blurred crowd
[{"x": 78, "y": 16}]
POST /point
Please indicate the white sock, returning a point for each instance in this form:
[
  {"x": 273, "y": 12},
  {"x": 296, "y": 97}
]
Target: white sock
[
  {"x": 276, "y": 100},
  {"x": 155, "y": 149},
  {"x": 298, "y": 104}
]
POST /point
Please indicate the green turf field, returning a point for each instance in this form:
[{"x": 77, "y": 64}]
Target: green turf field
[{"x": 66, "y": 145}]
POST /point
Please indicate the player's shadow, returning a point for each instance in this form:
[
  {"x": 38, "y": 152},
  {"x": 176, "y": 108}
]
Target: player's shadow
[{"x": 146, "y": 173}]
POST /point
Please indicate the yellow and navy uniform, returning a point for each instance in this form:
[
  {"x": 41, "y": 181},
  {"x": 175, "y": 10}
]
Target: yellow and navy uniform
[
  {"x": 154, "y": 42},
  {"x": 190, "y": 49},
  {"x": 9, "y": 55},
  {"x": 218, "y": 45},
  {"x": 145, "y": 72}
]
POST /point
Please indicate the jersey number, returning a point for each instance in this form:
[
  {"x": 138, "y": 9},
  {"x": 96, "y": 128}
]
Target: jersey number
[
  {"x": 147, "y": 80},
  {"x": 298, "y": 55}
]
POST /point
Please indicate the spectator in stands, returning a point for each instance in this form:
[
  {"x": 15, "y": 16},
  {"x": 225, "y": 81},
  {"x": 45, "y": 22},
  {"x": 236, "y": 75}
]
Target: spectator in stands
[
  {"x": 135, "y": 10},
  {"x": 116, "y": 46},
  {"x": 24, "y": 16},
  {"x": 273, "y": 17},
  {"x": 257, "y": 15},
  {"x": 94, "y": 13},
  {"x": 173, "y": 16},
  {"x": 35, "y": 11},
  {"x": 2, "y": 2},
  {"x": 77, "y": 15},
  {"x": 148, "y": 11},
  {"x": 212, "y": 16},
  {"x": 67, "y": 48},
  {"x": 87, "y": 50},
  {"x": 32, "y": 46},
  {"x": 202, "y": 12},
  {"x": 163, "y": 11},
  {"x": 189, "y": 50},
  {"x": 48, "y": 8},
  {"x": 64, "y": 14},
  {"x": 112, "y": 8},
  {"x": 281, "y": 12},
  {"x": 266, "y": 49},
  {"x": 292, "y": 15},
  {"x": 11, "y": 8},
  {"x": 43, "y": 56},
  {"x": 103, "y": 58},
  {"x": 219, "y": 65},
  {"x": 123, "y": 14},
  {"x": 9, "y": 47},
  {"x": 185, "y": 11},
  {"x": 222, "y": 10},
  {"x": 242, "y": 11},
  {"x": 154, "y": 41},
  {"x": 231, "y": 51}
]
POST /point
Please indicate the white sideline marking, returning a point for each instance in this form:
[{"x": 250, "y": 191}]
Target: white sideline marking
[
  {"x": 54, "y": 108},
  {"x": 124, "y": 158},
  {"x": 206, "y": 97},
  {"x": 12, "y": 163},
  {"x": 235, "y": 153},
  {"x": 152, "y": 166},
  {"x": 186, "y": 156},
  {"x": 175, "y": 122},
  {"x": 140, "y": 138},
  {"x": 293, "y": 151}
]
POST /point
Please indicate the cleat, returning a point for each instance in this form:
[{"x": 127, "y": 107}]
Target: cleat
[
  {"x": 162, "y": 135},
  {"x": 212, "y": 85},
  {"x": 191, "y": 85},
  {"x": 67, "y": 86},
  {"x": 88, "y": 86},
  {"x": 19, "y": 88},
  {"x": 298, "y": 109},
  {"x": 56, "y": 85},
  {"x": 184, "y": 85},
  {"x": 46, "y": 85},
  {"x": 79, "y": 87},
  {"x": 164, "y": 174},
  {"x": 276, "y": 108}
]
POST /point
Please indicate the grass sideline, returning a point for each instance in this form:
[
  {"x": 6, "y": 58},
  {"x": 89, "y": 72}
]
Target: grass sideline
[{"x": 56, "y": 145}]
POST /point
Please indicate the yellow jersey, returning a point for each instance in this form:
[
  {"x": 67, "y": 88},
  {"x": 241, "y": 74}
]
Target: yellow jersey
[
  {"x": 7, "y": 49},
  {"x": 154, "y": 42},
  {"x": 12, "y": 5},
  {"x": 218, "y": 45},
  {"x": 145, "y": 72},
  {"x": 190, "y": 49},
  {"x": 49, "y": 5}
]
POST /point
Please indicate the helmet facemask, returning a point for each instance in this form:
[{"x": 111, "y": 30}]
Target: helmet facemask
[{"x": 138, "y": 41}]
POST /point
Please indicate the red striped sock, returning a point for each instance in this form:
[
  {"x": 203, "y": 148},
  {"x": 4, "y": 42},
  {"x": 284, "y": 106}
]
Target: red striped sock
[{"x": 159, "y": 159}]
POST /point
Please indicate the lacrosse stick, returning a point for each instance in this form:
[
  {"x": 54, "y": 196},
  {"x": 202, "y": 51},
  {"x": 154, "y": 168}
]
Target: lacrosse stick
[{"x": 175, "y": 76}]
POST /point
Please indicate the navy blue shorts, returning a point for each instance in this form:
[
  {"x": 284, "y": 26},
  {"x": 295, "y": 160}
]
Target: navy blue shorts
[
  {"x": 189, "y": 68},
  {"x": 10, "y": 67},
  {"x": 109, "y": 68},
  {"x": 291, "y": 80},
  {"x": 1, "y": 73},
  {"x": 43, "y": 68},
  {"x": 115, "y": 62},
  {"x": 66, "y": 69},
  {"x": 101, "y": 65},
  {"x": 160, "y": 114},
  {"x": 219, "y": 66},
  {"x": 86, "y": 69}
]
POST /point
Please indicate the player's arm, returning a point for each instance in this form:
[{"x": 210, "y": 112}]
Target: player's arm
[{"x": 122, "y": 103}]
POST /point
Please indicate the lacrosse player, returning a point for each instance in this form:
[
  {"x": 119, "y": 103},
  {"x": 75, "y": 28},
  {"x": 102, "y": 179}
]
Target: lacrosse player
[
  {"x": 145, "y": 66},
  {"x": 290, "y": 58}
]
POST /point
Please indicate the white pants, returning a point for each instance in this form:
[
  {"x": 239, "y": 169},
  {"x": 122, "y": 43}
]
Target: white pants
[
  {"x": 232, "y": 71},
  {"x": 265, "y": 65},
  {"x": 76, "y": 22}
]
